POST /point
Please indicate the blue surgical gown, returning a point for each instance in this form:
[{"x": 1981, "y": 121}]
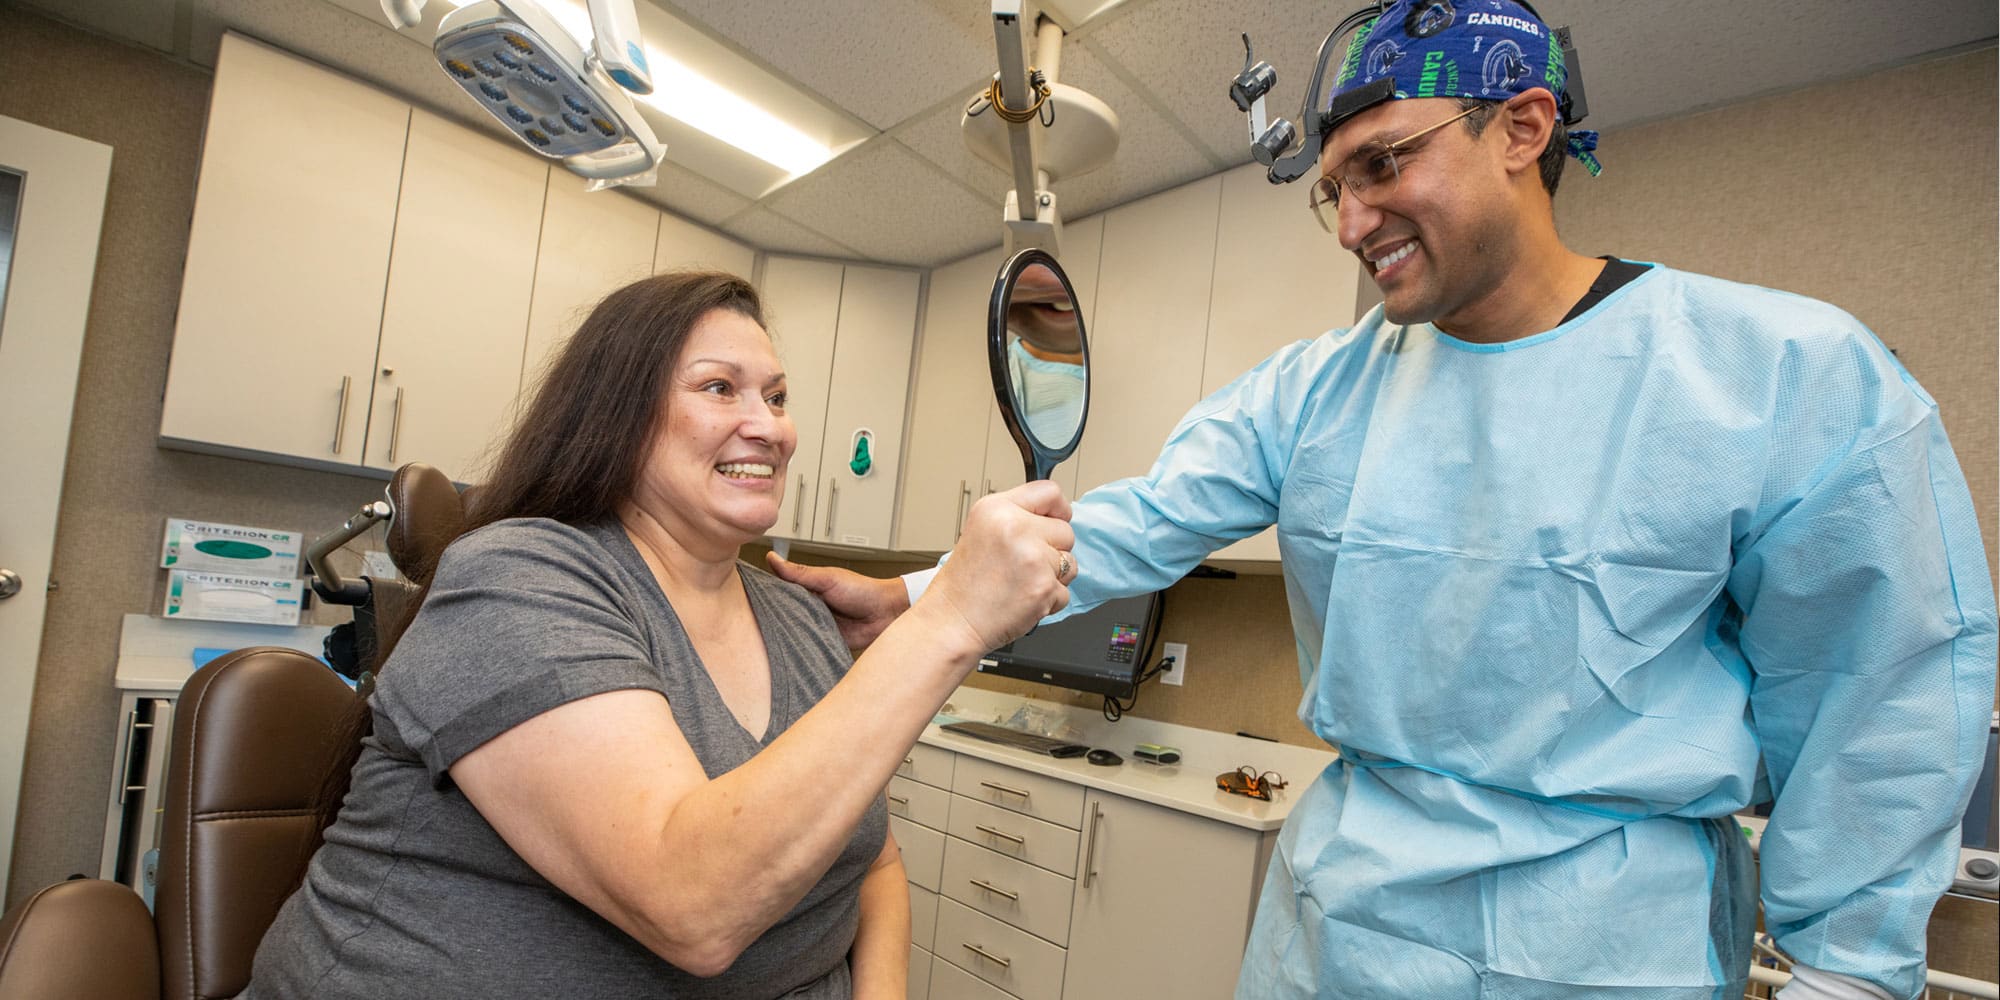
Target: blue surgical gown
[{"x": 1565, "y": 604}]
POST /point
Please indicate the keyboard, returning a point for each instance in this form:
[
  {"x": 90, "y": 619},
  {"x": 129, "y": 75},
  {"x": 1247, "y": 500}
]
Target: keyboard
[{"x": 1015, "y": 738}]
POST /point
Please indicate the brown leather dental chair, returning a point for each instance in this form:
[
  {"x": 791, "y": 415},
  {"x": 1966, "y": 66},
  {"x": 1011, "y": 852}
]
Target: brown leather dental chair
[
  {"x": 422, "y": 512},
  {"x": 262, "y": 727}
]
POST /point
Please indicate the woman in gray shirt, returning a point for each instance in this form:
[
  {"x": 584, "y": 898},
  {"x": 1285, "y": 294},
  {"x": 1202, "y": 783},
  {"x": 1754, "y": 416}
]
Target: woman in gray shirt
[{"x": 608, "y": 759}]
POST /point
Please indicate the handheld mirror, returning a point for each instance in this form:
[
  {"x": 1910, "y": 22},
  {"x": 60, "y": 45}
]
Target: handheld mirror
[{"x": 1039, "y": 358}]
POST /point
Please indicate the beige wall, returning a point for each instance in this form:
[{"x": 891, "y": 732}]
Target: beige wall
[{"x": 118, "y": 488}]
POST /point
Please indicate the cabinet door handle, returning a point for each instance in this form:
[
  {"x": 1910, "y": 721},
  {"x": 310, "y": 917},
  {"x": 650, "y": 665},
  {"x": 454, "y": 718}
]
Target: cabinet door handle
[
  {"x": 396, "y": 425},
  {"x": 340, "y": 413},
  {"x": 799, "y": 506},
  {"x": 989, "y": 831},
  {"x": 899, "y": 800},
  {"x": 1003, "y": 788},
  {"x": 964, "y": 497},
  {"x": 131, "y": 737},
  {"x": 911, "y": 761},
  {"x": 832, "y": 501},
  {"x": 996, "y": 890},
  {"x": 989, "y": 487},
  {"x": 1090, "y": 848},
  {"x": 987, "y": 955}
]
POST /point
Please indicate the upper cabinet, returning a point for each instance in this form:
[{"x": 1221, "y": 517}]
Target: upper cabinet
[
  {"x": 366, "y": 284},
  {"x": 287, "y": 262},
  {"x": 1151, "y": 328},
  {"x": 592, "y": 244},
  {"x": 459, "y": 283},
  {"x": 844, "y": 333}
]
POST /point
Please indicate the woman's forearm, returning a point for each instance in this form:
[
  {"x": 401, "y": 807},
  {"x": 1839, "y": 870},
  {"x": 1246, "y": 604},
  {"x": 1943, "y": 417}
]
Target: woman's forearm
[{"x": 880, "y": 959}]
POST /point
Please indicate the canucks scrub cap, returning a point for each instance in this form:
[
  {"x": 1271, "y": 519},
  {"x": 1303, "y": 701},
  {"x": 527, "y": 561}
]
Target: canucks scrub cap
[{"x": 1488, "y": 50}]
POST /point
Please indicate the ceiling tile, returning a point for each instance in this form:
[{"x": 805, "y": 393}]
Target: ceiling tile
[
  {"x": 937, "y": 138},
  {"x": 881, "y": 60},
  {"x": 686, "y": 193},
  {"x": 767, "y": 230},
  {"x": 1152, "y": 154},
  {"x": 886, "y": 202},
  {"x": 1187, "y": 52}
]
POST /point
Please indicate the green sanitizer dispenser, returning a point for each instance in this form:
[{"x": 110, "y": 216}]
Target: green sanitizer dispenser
[{"x": 861, "y": 452}]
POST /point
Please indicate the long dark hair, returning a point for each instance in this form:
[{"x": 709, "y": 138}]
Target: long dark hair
[{"x": 575, "y": 451}]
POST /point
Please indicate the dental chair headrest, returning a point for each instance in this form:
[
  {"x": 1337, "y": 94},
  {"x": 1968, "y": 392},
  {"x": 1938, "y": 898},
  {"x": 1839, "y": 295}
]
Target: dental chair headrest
[{"x": 429, "y": 514}]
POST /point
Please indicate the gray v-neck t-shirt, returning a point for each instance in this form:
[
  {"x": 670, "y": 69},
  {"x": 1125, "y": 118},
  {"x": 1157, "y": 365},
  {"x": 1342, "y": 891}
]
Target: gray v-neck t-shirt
[{"x": 415, "y": 895}]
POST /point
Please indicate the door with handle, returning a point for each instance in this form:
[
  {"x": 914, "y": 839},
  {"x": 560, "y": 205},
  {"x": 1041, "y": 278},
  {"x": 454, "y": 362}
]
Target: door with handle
[{"x": 51, "y": 210}]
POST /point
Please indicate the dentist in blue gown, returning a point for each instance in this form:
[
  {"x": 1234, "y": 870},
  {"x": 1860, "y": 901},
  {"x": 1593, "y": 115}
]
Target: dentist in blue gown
[{"x": 1583, "y": 555}]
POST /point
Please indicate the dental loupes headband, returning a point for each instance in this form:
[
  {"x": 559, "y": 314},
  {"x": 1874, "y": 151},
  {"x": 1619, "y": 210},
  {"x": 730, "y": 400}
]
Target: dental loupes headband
[{"x": 1483, "y": 49}]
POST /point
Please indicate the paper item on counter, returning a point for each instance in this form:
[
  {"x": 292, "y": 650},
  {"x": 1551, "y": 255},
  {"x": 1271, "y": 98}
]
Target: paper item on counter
[
  {"x": 228, "y": 597},
  {"x": 207, "y": 547}
]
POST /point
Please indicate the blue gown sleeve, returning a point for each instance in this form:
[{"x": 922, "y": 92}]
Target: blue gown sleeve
[
  {"x": 1216, "y": 480},
  {"x": 1867, "y": 618}
]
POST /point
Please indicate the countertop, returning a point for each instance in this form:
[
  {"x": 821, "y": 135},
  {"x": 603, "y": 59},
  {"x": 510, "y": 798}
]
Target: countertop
[{"x": 1188, "y": 786}]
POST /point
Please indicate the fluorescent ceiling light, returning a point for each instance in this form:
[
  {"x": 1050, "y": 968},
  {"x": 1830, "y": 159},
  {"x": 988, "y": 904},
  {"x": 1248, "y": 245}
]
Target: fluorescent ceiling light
[{"x": 701, "y": 103}]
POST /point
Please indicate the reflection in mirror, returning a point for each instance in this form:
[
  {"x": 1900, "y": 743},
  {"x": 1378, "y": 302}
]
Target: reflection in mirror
[{"x": 1040, "y": 365}]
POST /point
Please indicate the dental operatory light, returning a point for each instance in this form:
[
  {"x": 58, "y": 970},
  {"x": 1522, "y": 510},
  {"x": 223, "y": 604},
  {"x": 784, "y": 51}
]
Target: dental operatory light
[
  {"x": 1278, "y": 144},
  {"x": 520, "y": 64}
]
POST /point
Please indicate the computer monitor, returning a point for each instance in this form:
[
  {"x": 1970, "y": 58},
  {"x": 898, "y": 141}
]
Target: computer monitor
[{"x": 1102, "y": 650}]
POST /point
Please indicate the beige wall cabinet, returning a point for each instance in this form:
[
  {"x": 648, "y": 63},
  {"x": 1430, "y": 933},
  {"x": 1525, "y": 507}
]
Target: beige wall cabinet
[
  {"x": 1163, "y": 901},
  {"x": 592, "y": 243},
  {"x": 288, "y": 257},
  {"x": 455, "y": 316},
  {"x": 844, "y": 334},
  {"x": 1033, "y": 887},
  {"x": 1151, "y": 327}
]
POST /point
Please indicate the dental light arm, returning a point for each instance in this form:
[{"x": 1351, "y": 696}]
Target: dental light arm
[
  {"x": 1030, "y": 210},
  {"x": 519, "y": 64}
]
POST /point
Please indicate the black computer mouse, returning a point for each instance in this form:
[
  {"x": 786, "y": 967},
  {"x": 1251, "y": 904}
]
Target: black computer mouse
[{"x": 1103, "y": 758}]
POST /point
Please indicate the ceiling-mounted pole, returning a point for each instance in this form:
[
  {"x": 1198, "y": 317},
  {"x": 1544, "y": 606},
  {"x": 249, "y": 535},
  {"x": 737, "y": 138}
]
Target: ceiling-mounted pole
[{"x": 1014, "y": 91}]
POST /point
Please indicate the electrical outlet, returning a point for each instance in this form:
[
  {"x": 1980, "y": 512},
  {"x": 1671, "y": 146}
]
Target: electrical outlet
[{"x": 1178, "y": 672}]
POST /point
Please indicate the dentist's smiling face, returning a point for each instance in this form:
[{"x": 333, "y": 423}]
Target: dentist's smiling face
[
  {"x": 716, "y": 469},
  {"x": 1436, "y": 242}
]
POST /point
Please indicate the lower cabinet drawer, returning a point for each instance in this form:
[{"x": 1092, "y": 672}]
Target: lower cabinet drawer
[
  {"x": 1016, "y": 892},
  {"x": 920, "y": 974},
  {"x": 1044, "y": 845},
  {"x": 918, "y": 802},
  {"x": 1012, "y": 959},
  {"x": 928, "y": 764},
  {"x": 923, "y": 851},
  {"x": 949, "y": 982},
  {"x": 923, "y": 915}
]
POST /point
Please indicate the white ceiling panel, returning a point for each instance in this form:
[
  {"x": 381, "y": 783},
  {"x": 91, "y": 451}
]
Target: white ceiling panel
[
  {"x": 1152, "y": 153},
  {"x": 1188, "y": 51},
  {"x": 148, "y": 22},
  {"x": 686, "y": 193},
  {"x": 937, "y": 138},
  {"x": 767, "y": 230},
  {"x": 888, "y": 203},
  {"x": 882, "y": 60}
]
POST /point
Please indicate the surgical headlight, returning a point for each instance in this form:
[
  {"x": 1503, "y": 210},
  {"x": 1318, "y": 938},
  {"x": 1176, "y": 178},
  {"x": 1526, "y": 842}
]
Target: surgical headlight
[
  {"x": 518, "y": 63},
  {"x": 1279, "y": 145}
]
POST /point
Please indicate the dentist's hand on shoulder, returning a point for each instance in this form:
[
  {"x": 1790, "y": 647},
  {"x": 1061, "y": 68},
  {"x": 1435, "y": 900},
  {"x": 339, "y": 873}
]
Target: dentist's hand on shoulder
[{"x": 1011, "y": 568}]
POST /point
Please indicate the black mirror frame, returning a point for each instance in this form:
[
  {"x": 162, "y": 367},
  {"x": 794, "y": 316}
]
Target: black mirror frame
[{"x": 1037, "y": 461}]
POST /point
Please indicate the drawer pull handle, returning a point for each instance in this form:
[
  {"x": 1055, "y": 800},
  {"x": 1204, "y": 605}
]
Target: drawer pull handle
[
  {"x": 987, "y": 955},
  {"x": 899, "y": 800},
  {"x": 989, "y": 831},
  {"x": 910, "y": 761},
  {"x": 1090, "y": 849},
  {"x": 996, "y": 890},
  {"x": 1003, "y": 788}
]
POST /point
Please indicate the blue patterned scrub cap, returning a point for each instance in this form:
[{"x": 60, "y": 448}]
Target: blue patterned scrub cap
[{"x": 1488, "y": 50}]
